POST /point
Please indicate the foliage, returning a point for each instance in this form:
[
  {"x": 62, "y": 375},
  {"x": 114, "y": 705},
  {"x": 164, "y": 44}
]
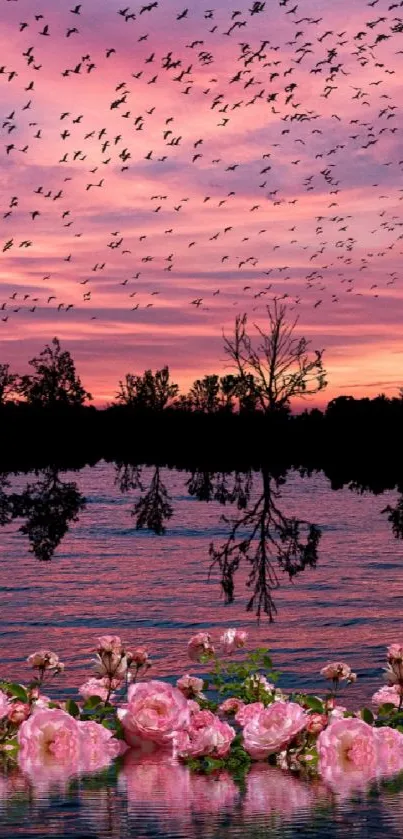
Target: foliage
[{"x": 55, "y": 381}]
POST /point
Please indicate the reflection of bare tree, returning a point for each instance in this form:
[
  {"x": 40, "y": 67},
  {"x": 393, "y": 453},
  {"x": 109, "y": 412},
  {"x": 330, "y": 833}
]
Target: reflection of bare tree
[
  {"x": 153, "y": 507},
  {"x": 215, "y": 486},
  {"x": 128, "y": 476},
  {"x": 268, "y": 540},
  {"x": 48, "y": 505}
]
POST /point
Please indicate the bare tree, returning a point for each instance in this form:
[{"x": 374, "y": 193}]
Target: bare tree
[
  {"x": 279, "y": 364},
  {"x": 268, "y": 540}
]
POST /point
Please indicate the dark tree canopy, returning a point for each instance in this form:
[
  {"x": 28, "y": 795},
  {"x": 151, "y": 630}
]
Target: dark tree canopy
[
  {"x": 8, "y": 384},
  {"x": 54, "y": 381},
  {"x": 151, "y": 391}
]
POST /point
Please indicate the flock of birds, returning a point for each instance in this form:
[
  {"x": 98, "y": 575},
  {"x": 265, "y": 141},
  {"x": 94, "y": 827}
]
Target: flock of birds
[{"x": 156, "y": 156}]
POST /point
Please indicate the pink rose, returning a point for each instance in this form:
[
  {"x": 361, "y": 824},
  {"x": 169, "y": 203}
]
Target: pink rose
[
  {"x": 50, "y": 735},
  {"x": 272, "y": 728},
  {"x": 348, "y": 754},
  {"x": 99, "y": 687},
  {"x": 200, "y": 645},
  {"x": 395, "y": 652},
  {"x": 205, "y": 735},
  {"x": 4, "y": 704},
  {"x": 233, "y": 639},
  {"x": 337, "y": 671},
  {"x": 390, "y": 750},
  {"x": 387, "y": 694},
  {"x": 190, "y": 685},
  {"x": 110, "y": 664},
  {"x": 247, "y": 712},
  {"x": 98, "y": 746},
  {"x": 18, "y": 712},
  {"x": 316, "y": 723},
  {"x": 45, "y": 660},
  {"x": 140, "y": 657},
  {"x": 231, "y": 705},
  {"x": 110, "y": 644},
  {"x": 155, "y": 711}
]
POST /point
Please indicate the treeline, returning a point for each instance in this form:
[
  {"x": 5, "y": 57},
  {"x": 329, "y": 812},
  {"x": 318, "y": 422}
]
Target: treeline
[{"x": 239, "y": 420}]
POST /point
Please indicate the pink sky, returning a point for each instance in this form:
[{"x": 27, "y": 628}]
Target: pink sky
[{"x": 323, "y": 223}]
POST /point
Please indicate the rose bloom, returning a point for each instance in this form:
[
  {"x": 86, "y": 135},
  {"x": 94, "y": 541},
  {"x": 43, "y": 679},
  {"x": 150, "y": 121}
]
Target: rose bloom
[
  {"x": 113, "y": 665},
  {"x": 155, "y": 711},
  {"x": 45, "y": 660},
  {"x": 49, "y": 734},
  {"x": 231, "y": 705},
  {"x": 205, "y": 735},
  {"x": 337, "y": 671},
  {"x": 348, "y": 754},
  {"x": 98, "y": 746},
  {"x": 4, "y": 704},
  {"x": 110, "y": 644},
  {"x": 99, "y": 687},
  {"x": 200, "y": 645},
  {"x": 316, "y": 723},
  {"x": 233, "y": 639},
  {"x": 190, "y": 685},
  {"x": 18, "y": 712},
  {"x": 395, "y": 652},
  {"x": 390, "y": 750},
  {"x": 272, "y": 728},
  {"x": 247, "y": 712},
  {"x": 387, "y": 694},
  {"x": 140, "y": 657}
]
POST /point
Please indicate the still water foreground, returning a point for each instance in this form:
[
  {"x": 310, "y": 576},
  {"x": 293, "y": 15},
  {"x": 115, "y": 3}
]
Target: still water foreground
[{"x": 151, "y": 583}]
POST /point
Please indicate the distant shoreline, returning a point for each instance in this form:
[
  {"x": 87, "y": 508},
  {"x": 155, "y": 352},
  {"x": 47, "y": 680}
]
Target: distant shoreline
[{"x": 364, "y": 430}]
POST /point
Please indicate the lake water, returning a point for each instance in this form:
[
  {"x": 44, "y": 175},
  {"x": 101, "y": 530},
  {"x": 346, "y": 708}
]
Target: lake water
[{"x": 153, "y": 589}]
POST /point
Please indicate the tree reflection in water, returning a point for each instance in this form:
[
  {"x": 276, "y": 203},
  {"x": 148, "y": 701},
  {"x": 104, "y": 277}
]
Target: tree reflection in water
[
  {"x": 259, "y": 535},
  {"x": 153, "y": 507},
  {"x": 262, "y": 535},
  {"x": 48, "y": 505}
]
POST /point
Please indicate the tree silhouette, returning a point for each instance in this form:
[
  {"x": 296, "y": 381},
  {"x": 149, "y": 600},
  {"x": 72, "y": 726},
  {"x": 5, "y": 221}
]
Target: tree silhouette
[
  {"x": 8, "y": 384},
  {"x": 268, "y": 540},
  {"x": 279, "y": 365},
  {"x": 204, "y": 394},
  {"x": 151, "y": 391},
  {"x": 55, "y": 381}
]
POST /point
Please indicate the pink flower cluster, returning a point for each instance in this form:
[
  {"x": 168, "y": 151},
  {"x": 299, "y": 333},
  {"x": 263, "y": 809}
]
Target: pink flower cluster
[{"x": 177, "y": 719}]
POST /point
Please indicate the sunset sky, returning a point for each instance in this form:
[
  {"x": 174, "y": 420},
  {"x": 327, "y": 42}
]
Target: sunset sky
[{"x": 281, "y": 174}]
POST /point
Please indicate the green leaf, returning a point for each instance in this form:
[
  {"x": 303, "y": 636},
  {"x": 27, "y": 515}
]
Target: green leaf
[
  {"x": 386, "y": 709},
  {"x": 314, "y": 704},
  {"x": 93, "y": 702},
  {"x": 14, "y": 690},
  {"x": 72, "y": 708},
  {"x": 367, "y": 716}
]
